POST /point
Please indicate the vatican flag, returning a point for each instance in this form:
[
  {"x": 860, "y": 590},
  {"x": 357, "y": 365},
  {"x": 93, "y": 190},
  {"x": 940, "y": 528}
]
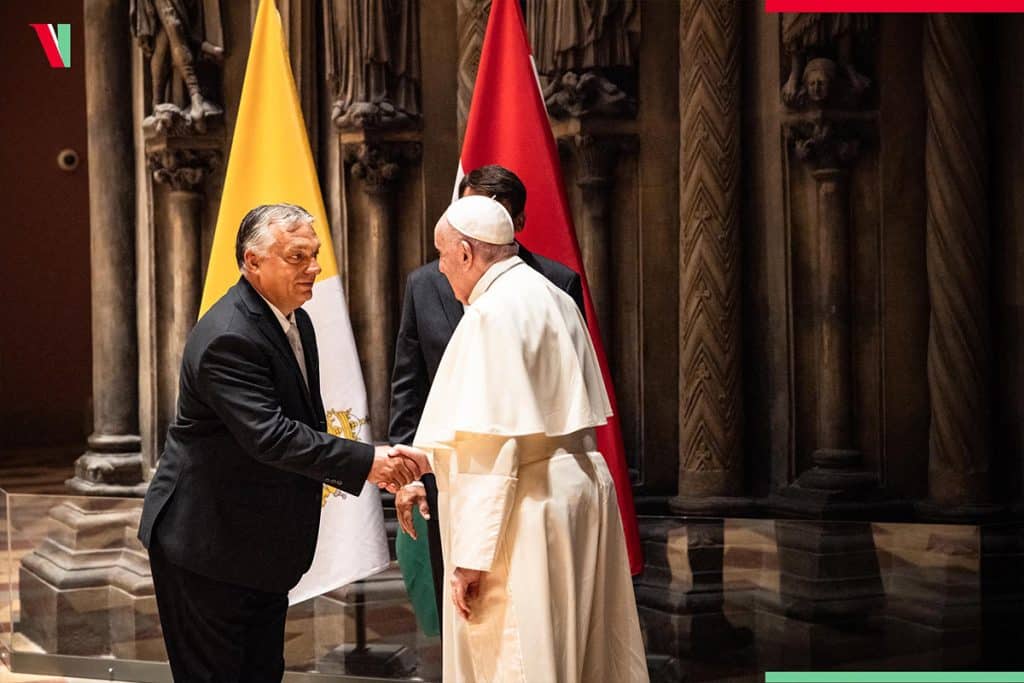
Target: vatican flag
[{"x": 270, "y": 162}]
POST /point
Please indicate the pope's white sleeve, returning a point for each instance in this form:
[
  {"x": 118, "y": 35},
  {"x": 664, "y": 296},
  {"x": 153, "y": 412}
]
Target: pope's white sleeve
[{"x": 482, "y": 493}]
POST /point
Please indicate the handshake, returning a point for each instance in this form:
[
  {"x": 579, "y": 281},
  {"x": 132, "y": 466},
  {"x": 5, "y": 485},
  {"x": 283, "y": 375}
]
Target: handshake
[{"x": 395, "y": 466}]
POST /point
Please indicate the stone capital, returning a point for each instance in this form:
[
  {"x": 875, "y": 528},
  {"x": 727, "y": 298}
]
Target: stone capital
[
  {"x": 828, "y": 139},
  {"x": 182, "y": 161},
  {"x": 379, "y": 163}
]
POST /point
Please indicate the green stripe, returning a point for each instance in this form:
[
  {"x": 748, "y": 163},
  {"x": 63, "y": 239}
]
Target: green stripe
[
  {"x": 64, "y": 43},
  {"x": 894, "y": 677}
]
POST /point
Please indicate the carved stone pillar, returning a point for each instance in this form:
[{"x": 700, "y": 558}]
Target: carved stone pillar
[
  {"x": 710, "y": 358},
  {"x": 181, "y": 164},
  {"x": 376, "y": 79},
  {"x": 377, "y": 167},
  {"x": 957, "y": 253},
  {"x": 112, "y": 465},
  {"x": 829, "y": 141},
  {"x": 472, "y": 23},
  {"x": 596, "y": 158},
  {"x": 828, "y": 117},
  {"x": 835, "y": 387}
]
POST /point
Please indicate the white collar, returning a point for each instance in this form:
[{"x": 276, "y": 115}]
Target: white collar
[{"x": 495, "y": 271}]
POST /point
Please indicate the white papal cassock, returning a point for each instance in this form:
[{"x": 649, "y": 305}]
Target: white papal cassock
[{"x": 524, "y": 495}]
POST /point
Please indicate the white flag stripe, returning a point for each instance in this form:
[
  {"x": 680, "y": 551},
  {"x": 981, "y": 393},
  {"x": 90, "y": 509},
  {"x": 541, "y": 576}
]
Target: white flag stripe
[{"x": 352, "y": 543}]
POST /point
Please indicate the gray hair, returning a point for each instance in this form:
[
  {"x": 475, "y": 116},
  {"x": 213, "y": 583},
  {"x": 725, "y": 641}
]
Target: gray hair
[
  {"x": 485, "y": 251},
  {"x": 254, "y": 233}
]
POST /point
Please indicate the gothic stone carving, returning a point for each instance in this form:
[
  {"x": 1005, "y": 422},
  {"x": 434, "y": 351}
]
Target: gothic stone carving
[
  {"x": 373, "y": 62},
  {"x": 586, "y": 52},
  {"x": 958, "y": 258},
  {"x": 472, "y": 23},
  {"x": 821, "y": 49},
  {"x": 377, "y": 164},
  {"x": 176, "y": 36},
  {"x": 182, "y": 169},
  {"x": 711, "y": 412}
]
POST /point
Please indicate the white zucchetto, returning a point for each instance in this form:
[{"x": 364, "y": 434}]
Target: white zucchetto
[{"x": 482, "y": 218}]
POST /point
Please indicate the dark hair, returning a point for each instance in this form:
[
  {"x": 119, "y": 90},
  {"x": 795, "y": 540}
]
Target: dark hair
[
  {"x": 497, "y": 182},
  {"x": 254, "y": 231}
]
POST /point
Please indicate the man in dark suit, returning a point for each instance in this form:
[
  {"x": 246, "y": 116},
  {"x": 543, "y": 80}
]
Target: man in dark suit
[
  {"x": 232, "y": 513},
  {"x": 430, "y": 313}
]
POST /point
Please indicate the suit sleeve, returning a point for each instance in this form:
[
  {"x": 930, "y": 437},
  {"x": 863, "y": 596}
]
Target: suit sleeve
[
  {"x": 238, "y": 386},
  {"x": 574, "y": 288},
  {"x": 409, "y": 377}
]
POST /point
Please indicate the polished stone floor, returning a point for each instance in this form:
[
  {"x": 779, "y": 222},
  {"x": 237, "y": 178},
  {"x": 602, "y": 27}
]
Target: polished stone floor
[{"x": 720, "y": 599}]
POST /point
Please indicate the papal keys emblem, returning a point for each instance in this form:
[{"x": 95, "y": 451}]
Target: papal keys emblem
[{"x": 341, "y": 423}]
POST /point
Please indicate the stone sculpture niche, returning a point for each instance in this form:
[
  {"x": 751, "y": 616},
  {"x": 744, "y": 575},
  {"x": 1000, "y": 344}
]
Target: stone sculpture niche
[
  {"x": 822, "y": 55},
  {"x": 586, "y": 52},
  {"x": 180, "y": 38},
  {"x": 373, "y": 63}
]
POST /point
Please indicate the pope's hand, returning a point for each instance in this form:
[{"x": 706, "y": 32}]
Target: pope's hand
[
  {"x": 392, "y": 473},
  {"x": 415, "y": 455},
  {"x": 405, "y": 499},
  {"x": 465, "y": 587}
]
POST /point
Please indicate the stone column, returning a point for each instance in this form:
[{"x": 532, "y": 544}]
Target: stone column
[
  {"x": 829, "y": 116},
  {"x": 957, "y": 253},
  {"x": 471, "y": 25},
  {"x": 1008, "y": 248},
  {"x": 377, "y": 113},
  {"x": 828, "y": 140},
  {"x": 377, "y": 167},
  {"x": 832, "y": 294},
  {"x": 181, "y": 165},
  {"x": 710, "y": 334},
  {"x": 112, "y": 465},
  {"x": 596, "y": 157}
]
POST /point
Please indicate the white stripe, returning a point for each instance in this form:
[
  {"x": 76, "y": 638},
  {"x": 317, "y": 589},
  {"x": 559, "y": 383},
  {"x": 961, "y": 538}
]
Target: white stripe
[
  {"x": 352, "y": 543},
  {"x": 53, "y": 36}
]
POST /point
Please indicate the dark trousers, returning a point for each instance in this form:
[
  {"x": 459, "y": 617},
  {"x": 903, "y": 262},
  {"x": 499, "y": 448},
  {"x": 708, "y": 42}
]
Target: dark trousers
[{"x": 217, "y": 632}]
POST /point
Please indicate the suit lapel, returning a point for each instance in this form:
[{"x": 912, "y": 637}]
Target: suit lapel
[
  {"x": 449, "y": 304},
  {"x": 269, "y": 327}
]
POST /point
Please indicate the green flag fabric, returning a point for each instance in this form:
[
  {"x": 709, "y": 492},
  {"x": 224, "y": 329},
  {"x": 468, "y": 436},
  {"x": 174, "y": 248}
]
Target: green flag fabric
[{"x": 414, "y": 560}]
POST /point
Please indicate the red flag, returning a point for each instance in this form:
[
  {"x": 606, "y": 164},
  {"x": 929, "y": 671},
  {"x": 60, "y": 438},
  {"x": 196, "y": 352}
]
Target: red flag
[{"x": 508, "y": 125}]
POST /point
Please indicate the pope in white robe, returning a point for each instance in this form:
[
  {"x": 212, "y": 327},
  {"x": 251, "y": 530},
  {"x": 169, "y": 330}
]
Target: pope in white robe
[{"x": 538, "y": 587}]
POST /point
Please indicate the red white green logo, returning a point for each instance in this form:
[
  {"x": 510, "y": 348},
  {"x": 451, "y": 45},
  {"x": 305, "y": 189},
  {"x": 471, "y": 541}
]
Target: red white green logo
[{"x": 56, "y": 42}]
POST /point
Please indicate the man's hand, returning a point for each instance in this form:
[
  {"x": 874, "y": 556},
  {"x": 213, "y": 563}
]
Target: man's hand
[
  {"x": 414, "y": 455},
  {"x": 405, "y": 499},
  {"x": 392, "y": 473},
  {"x": 465, "y": 587}
]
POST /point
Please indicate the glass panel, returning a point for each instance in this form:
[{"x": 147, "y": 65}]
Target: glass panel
[
  {"x": 79, "y": 600},
  {"x": 722, "y": 599},
  {"x": 6, "y": 587},
  {"x": 719, "y": 599}
]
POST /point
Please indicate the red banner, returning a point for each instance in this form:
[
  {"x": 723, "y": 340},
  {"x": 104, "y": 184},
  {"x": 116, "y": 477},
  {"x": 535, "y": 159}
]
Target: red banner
[{"x": 900, "y": 6}]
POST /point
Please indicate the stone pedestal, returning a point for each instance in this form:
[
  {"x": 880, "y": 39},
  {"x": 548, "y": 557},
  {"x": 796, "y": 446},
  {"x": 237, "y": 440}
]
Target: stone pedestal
[
  {"x": 680, "y": 598},
  {"x": 86, "y": 589},
  {"x": 828, "y": 571},
  {"x": 932, "y": 585}
]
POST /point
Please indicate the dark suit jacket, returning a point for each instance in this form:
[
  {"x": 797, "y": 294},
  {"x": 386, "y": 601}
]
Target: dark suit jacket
[
  {"x": 430, "y": 313},
  {"x": 237, "y": 493}
]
